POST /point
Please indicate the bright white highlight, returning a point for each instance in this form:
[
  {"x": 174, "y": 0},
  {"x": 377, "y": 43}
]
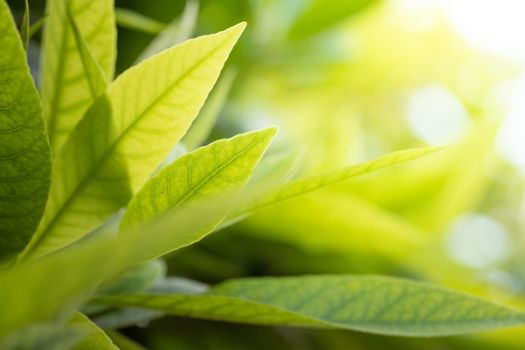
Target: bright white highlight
[
  {"x": 478, "y": 241},
  {"x": 493, "y": 26},
  {"x": 511, "y": 140},
  {"x": 498, "y": 28},
  {"x": 436, "y": 115}
]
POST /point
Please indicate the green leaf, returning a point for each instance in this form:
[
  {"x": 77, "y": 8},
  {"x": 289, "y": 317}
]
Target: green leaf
[
  {"x": 379, "y": 305},
  {"x": 66, "y": 93},
  {"x": 92, "y": 71},
  {"x": 35, "y": 27},
  {"x": 331, "y": 221},
  {"x": 177, "y": 31},
  {"x": 24, "y": 26},
  {"x": 76, "y": 271},
  {"x": 72, "y": 273},
  {"x": 434, "y": 191},
  {"x": 133, "y": 20},
  {"x": 123, "y": 342},
  {"x": 25, "y": 162},
  {"x": 302, "y": 186},
  {"x": 125, "y": 317},
  {"x": 277, "y": 167},
  {"x": 43, "y": 336},
  {"x": 95, "y": 339},
  {"x": 118, "y": 144},
  {"x": 138, "y": 278},
  {"x": 203, "y": 124},
  {"x": 322, "y": 14},
  {"x": 210, "y": 171},
  {"x": 79, "y": 334}
]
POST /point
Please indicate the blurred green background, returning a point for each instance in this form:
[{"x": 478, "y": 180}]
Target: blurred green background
[{"x": 347, "y": 81}]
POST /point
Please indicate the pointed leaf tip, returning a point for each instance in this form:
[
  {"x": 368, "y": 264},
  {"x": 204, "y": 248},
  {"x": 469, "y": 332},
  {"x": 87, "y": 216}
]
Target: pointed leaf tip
[{"x": 236, "y": 30}]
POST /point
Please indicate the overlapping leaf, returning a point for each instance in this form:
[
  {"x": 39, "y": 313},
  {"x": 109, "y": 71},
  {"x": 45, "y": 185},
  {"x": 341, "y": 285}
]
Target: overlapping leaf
[
  {"x": 302, "y": 186},
  {"x": 65, "y": 90},
  {"x": 25, "y": 163},
  {"x": 203, "y": 124},
  {"x": 126, "y": 134},
  {"x": 76, "y": 271},
  {"x": 370, "y": 304},
  {"x": 93, "y": 73},
  {"x": 24, "y": 26},
  {"x": 95, "y": 339},
  {"x": 207, "y": 172}
]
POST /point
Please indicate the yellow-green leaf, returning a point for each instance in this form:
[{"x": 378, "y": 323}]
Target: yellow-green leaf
[
  {"x": 65, "y": 90},
  {"x": 76, "y": 271},
  {"x": 371, "y": 304},
  {"x": 93, "y": 73},
  {"x": 302, "y": 186},
  {"x": 95, "y": 339},
  {"x": 204, "y": 123},
  {"x": 127, "y": 132},
  {"x": 25, "y": 162},
  {"x": 130, "y": 19},
  {"x": 320, "y": 15},
  {"x": 210, "y": 171},
  {"x": 123, "y": 342},
  {"x": 331, "y": 221}
]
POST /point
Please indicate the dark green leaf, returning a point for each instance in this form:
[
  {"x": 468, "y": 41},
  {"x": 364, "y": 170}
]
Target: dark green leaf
[{"x": 25, "y": 162}]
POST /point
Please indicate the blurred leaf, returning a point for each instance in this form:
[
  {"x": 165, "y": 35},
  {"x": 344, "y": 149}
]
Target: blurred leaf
[
  {"x": 76, "y": 271},
  {"x": 125, "y": 317},
  {"x": 95, "y": 339},
  {"x": 123, "y": 342},
  {"x": 138, "y": 278},
  {"x": 25, "y": 162},
  {"x": 216, "y": 169},
  {"x": 330, "y": 221},
  {"x": 24, "y": 26},
  {"x": 202, "y": 126},
  {"x": 87, "y": 190},
  {"x": 432, "y": 192},
  {"x": 276, "y": 168},
  {"x": 322, "y": 14},
  {"x": 66, "y": 93},
  {"x": 35, "y": 27},
  {"x": 368, "y": 304},
  {"x": 72, "y": 273},
  {"x": 47, "y": 336},
  {"x": 133, "y": 20},
  {"x": 302, "y": 186},
  {"x": 343, "y": 340},
  {"x": 177, "y": 31},
  {"x": 189, "y": 334}
]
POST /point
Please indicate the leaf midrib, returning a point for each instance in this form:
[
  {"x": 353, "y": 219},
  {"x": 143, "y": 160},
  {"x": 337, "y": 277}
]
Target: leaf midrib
[{"x": 214, "y": 173}]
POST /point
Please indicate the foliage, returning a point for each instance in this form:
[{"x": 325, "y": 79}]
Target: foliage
[{"x": 102, "y": 178}]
